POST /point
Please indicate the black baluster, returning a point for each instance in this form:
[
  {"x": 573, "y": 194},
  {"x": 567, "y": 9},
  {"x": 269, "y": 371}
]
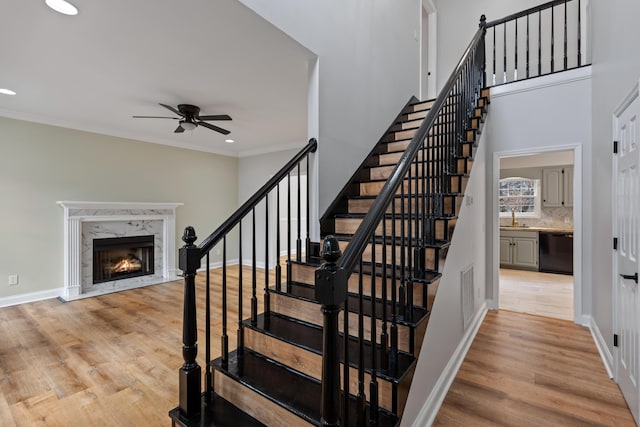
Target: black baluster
[
  {"x": 346, "y": 365},
  {"x": 494, "y": 57},
  {"x": 224, "y": 338},
  {"x": 393, "y": 357},
  {"x": 515, "y": 64},
  {"x": 579, "y": 35},
  {"x": 240, "y": 334},
  {"x": 539, "y": 43},
  {"x": 527, "y": 65},
  {"x": 278, "y": 267},
  {"x": 552, "y": 38},
  {"x": 208, "y": 376},
  {"x": 254, "y": 273},
  {"x": 267, "y": 299},
  {"x": 361, "y": 399},
  {"x": 190, "y": 374},
  {"x": 308, "y": 241},
  {"x": 289, "y": 232},
  {"x": 565, "y": 35},
  {"x": 384, "y": 338},
  {"x": 504, "y": 54},
  {"x": 373, "y": 384},
  {"x": 299, "y": 239},
  {"x": 331, "y": 292}
]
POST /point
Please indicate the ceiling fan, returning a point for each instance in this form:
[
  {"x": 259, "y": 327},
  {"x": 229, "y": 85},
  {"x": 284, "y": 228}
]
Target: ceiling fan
[{"x": 190, "y": 118}]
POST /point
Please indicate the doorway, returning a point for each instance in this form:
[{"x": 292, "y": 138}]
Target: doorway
[
  {"x": 537, "y": 216},
  {"x": 428, "y": 44}
]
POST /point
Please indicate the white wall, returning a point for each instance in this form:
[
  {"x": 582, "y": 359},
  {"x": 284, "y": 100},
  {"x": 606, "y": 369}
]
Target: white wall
[
  {"x": 445, "y": 330},
  {"x": 369, "y": 63},
  {"x": 458, "y": 21},
  {"x": 616, "y": 68},
  {"x": 41, "y": 164},
  {"x": 522, "y": 118}
]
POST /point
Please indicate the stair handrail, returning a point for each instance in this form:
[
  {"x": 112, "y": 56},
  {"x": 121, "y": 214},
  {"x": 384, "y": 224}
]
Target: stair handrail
[
  {"x": 331, "y": 278},
  {"x": 526, "y": 12},
  {"x": 368, "y": 226},
  {"x": 190, "y": 259},
  {"x": 246, "y": 207}
]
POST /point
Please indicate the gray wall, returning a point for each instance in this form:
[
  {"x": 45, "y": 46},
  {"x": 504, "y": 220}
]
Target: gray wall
[
  {"x": 445, "y": 330},
  {"x": 41, "y": 164},
  {"x": 369, "y": 68},
  {"x": 616, "y": 68}
]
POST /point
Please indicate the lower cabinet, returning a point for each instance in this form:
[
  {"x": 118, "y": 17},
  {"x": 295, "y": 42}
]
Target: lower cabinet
[{"x": 519, "y": 249}]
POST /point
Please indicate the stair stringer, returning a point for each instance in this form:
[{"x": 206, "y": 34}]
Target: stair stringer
[{"x": 446, "y": 342}]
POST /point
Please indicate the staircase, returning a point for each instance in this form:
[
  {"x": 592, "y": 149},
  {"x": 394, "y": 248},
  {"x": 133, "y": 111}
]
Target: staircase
[{"x": 354, "y": 309}]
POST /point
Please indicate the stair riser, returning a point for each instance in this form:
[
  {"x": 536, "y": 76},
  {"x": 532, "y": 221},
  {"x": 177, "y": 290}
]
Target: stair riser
[
  {"x": 362, "y": 206},
  {"x": 255, "y": 404},
  {"x": 310, "y": 363},
  {"x": 350, "y": 225},
  {"x": 428, "y": 170},
  {"x": 308, "y": 311},
  {"x": 387, "y": 159},
  {"x": 419, "y": 107},
  {"x": 406, "y": 124},
  {"x": 306, "y": 274},
  {"x": 457, "y": 184}
]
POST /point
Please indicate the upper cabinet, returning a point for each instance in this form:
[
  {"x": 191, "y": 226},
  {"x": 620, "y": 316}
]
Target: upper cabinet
[{"x": 557, "y": 187}]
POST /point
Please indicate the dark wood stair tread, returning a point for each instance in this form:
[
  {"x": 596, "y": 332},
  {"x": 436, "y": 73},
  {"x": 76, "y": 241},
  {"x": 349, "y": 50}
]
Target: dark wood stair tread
[
  {"x": 217, "y": 413},
  {"x": 298, "y": 393},
  {"x": 309, "y": 337}
]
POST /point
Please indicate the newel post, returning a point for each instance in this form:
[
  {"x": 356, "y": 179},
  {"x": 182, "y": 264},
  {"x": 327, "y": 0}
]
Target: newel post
[
  {"x": 331, "y": 292},
  {"x": 190, "y": 372}
]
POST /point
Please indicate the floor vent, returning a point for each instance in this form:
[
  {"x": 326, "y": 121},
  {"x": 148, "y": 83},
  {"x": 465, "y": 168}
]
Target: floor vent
[{"x": 468, "y": 301}]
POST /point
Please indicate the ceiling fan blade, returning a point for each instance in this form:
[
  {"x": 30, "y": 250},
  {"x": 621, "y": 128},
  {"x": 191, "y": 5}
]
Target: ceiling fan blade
[
  {"x": 168, "y": 107},
  {"x": 179, "y": 129},
  {"x": 154, "y": 117},
  {"x": 213, "y": 127},
  {"x": 215, "y": 117}
]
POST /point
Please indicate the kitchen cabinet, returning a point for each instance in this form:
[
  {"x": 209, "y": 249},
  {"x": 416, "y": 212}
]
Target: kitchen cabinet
[
  {"x": 519, "y": 250},
  {"x": 557, "y": 187}
]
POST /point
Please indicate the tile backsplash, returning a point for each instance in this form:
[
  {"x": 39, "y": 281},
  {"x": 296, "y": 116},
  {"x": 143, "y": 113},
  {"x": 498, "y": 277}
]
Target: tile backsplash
[{"x": 550, "y": 218}]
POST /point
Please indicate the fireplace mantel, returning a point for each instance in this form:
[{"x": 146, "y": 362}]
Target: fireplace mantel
[{"x": 80, "y": 217}]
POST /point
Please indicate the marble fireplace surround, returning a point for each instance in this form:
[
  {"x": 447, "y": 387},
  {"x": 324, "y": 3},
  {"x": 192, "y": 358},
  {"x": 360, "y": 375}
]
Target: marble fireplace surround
[{"x": 84, "y": 221}]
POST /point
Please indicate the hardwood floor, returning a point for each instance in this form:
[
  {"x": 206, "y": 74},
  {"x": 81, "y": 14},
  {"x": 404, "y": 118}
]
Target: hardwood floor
[
  {"x": 110, "y": 360},
  {"x": 524, "y": 370},
  {"x": 543, "y": 294},
  {"x": 113, "y": 360}
]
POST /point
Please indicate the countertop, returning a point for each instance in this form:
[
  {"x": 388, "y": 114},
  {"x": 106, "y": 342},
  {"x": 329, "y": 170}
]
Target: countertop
[{"x": 543, "y": 229}]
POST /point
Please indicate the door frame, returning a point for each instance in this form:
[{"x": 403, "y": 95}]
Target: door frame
[
  {"x": 432, "y": 53},
  {"x": 626, "y": 102},
  {"x": 578, "y": 290}
]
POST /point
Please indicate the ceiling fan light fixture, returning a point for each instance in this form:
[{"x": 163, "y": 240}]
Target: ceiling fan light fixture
[
  {"x": 188, "y": 125},
  {"x": 62, "y": 6}
]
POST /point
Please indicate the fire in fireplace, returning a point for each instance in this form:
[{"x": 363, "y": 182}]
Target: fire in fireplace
[{"x": 122, "y": 257}]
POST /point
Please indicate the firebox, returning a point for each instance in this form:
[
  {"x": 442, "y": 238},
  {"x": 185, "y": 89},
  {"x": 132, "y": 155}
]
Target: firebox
[{"x": 122, "y": 257}]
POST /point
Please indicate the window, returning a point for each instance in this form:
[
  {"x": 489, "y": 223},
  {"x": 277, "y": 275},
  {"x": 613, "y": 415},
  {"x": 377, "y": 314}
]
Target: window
[{"x": 520, "y": 194}]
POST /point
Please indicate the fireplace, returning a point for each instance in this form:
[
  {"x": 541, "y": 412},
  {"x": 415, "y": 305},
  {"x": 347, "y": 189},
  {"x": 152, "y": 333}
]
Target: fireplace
[{"x": 119, "y": 258}]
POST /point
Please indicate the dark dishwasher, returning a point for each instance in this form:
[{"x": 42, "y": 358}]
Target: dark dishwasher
[{"x": 556, "y": 252}]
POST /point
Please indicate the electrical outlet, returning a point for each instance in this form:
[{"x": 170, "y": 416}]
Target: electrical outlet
[{"x": 13, "y": 280}]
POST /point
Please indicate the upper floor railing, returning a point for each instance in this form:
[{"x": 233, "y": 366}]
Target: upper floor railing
[{"x": 545, "y": 39}]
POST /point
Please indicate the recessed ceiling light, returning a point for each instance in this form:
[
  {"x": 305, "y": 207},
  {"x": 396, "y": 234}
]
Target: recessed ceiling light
[
  {"x": 229, "y": 141},
  {"x": 62, "y": 6},
  {"x": 7, "y": 92}
]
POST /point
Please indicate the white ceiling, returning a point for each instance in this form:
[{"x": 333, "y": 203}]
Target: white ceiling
[
  {"x": 551, "y": 158},
  {"x": 120, "y": 58}
]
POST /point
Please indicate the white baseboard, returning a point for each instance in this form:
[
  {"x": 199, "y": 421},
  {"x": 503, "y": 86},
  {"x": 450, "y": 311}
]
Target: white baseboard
[
  {"x": 605, "y": 354},
  {"x": 429, "y": 410},
  {"x": 30, "y": 297},
  {"x": 218, "y": 264}
]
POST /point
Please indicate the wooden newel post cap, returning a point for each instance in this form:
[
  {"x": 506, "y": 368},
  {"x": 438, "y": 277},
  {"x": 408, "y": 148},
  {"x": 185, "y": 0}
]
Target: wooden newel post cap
[
  {"x": 189, "y": 259},
  {"x": 483, "y": 20},
  {"x": 331, "y": 281}
]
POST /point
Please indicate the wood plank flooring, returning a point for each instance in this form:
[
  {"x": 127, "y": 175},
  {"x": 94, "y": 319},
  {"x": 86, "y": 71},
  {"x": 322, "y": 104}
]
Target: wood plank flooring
[
  {"x": 524, "y": 370},
  {"x": 543, "y": 294},
  {"x": 113, "y": 360}
]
